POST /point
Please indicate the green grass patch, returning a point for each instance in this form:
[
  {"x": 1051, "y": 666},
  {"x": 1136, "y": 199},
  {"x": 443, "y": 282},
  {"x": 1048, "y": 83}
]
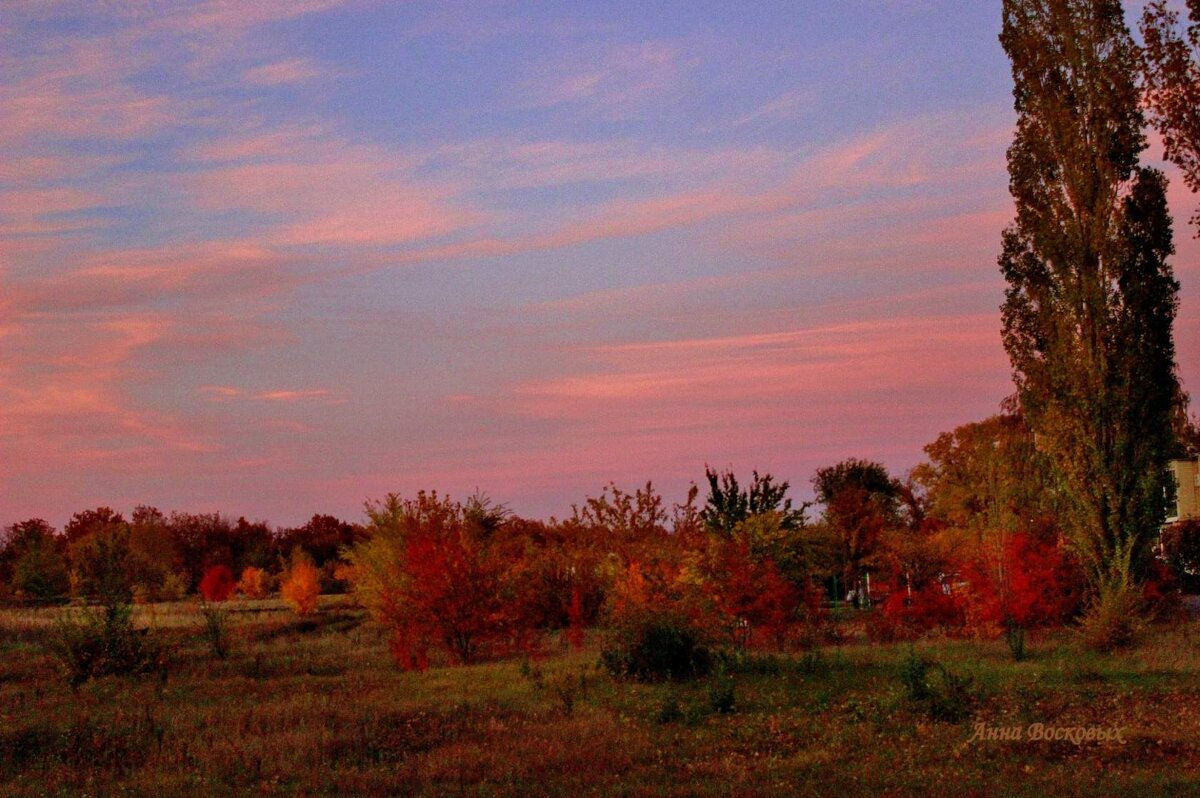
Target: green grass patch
[{"x": 322, "y": 710}]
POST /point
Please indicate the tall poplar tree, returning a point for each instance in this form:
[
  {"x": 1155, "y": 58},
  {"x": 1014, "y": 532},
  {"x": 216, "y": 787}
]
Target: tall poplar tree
[
  {"x": 1171, "y": 79},
  {"x": 1091, "y": 296}
]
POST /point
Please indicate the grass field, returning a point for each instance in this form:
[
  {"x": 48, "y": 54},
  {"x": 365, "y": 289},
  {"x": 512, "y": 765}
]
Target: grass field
[{"x": 317, "y": 707}]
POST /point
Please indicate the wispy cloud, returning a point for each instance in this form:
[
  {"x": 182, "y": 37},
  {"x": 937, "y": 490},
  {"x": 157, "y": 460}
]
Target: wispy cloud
[
  {"x": 611, "y": 80},
  {"x": 784, "y": 105},
  {"x": 309, "y": 189},
  {"x": 279, "y": 73},
  {"x": 223, "y": 393}
]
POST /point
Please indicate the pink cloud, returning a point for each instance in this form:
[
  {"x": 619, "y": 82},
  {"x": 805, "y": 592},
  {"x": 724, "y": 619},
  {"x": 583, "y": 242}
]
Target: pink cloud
[
  {"x": 857, "y": 179},
  {"x": 26, "y": 169},
  {"x": 35, "y": 211},
  {"x": 79, "y": 90},
  {"x": 783, "y": 105},
  {"x": 216, "y": 16},
  {"x": 291, "y": 396},
  {"x": 222, "y": 15},
  {"x": 67, "y": 399},
  {"x": 889, "y": 354},
  {"x": 785, "y": 401},
  {"x": 613, "y": 80},
  {"x": 258, "y": 144},
  {"x": 136, "y": 277},
  {"x": 224, "y": 393},
  {"x": 279, "y": 73},
  {"x": 500, "y": 164},
  {"x": 310, "y": 190}
]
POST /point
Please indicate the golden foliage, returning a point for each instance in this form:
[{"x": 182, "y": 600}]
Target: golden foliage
[
  {"x": 302, "y": 586},
  {"x": 255, "y": 583}
]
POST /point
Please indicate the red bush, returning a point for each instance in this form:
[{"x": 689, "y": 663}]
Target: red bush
[
  {"x": 1033, "y": 584},
  {"x": 930, "y": 607},
  {"x": 757, "y": 602},
  {"x": 1161, "y": 591},
  {"x": 217, "y": 584},
  {"x": 462, "y": 592},
  {"x": 1043, "y": 587}
]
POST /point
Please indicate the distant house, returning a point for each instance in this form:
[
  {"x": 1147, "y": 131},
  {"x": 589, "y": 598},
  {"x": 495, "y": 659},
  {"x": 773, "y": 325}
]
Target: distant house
[{"x": 1186, "y": 474}]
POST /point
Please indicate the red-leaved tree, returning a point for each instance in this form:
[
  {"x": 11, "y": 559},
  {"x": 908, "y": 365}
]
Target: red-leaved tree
[
  {"x": 217, "y": 584},
  {"x": 1043, "y": 587},
  {"x": 460, "y": 590},
  {"x": 755, "y": 602}
]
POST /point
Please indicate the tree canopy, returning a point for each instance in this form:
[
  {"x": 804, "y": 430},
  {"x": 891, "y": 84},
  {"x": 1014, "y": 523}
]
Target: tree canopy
[{"x": 1091, "y": 298}]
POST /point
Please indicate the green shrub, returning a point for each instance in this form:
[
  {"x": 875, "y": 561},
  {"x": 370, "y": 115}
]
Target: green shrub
[
  {"x": 670, "y": 711},
  {"x": 1113, "y": 618},
  {"x": 216, "y": 628},
  {"x": 174, "y": 587},
  {"x": 941, "y": 694},
  {"x": 812, "y": 663},
  {"x": 567, "y": 686},
  {"x": 653, "y": 646},
  {"x": 721, "y": 697},
  {"x": 95, "y": 643},
  {"x": 40, "y": 574},
  {"x": 1014, "y": 636}
]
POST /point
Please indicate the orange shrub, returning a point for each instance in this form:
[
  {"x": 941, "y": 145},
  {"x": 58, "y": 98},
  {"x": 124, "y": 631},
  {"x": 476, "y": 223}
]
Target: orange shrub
[
  {"x": 302, "y": 586},
  {"x": 255, "y": 583}
]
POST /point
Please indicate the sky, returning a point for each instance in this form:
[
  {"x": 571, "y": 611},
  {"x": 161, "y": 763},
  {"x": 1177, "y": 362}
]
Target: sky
[{"x": 282, "y": 257}]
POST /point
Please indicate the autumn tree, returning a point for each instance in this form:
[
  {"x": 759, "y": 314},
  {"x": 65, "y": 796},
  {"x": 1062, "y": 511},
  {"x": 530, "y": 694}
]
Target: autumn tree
[
  {"x": 1180, "y": 548},
  {"x": 202, "y": 540},
  {"x": 217, "y": 584},
  {"x": 323, "y": 538},
  {"x": 377, "y": 561},
  {"x": 32, "y": 561},
  {"x": 729, "y": 504},
  {"x": 920, "y": 549},
  {"x": 255, "y": 583},
  {"x": 252, "y": 543},
  {"x": 861, "y": 500},
  {"x": 155, "y": 561},
  {"x": 988, "y": 476},
  {"x": 439, "y": 573},
  {"x": 102, "y": 561},
  {"x": 301, "y": 585},
  {"x": 1088, "y": 312},
  {"x": 85, "y": 522},
  {"x": 1171, "y": 80},
  {"x": 634, "y": 525}
]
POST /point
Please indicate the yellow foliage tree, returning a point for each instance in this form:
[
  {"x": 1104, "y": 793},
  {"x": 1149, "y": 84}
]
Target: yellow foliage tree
[
  {"x": 255, "y": 583},
  {"x": 302, "y": 585}
]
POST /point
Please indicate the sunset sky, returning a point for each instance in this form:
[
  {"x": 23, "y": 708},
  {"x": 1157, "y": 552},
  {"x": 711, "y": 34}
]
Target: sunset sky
[{"x": 278, "y": 257}]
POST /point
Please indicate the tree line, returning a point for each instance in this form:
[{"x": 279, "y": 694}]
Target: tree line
[
  {"x": 969, "y": 542},
  {"x": 153, "y": 556}
]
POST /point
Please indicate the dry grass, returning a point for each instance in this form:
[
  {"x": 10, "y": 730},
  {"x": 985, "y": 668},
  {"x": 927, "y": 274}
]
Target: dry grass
[{"x": 316, "y": 707}]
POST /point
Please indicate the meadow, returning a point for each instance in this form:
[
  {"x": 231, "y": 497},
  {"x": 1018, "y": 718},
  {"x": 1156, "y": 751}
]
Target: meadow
[{"x": 317, "y": 706}]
